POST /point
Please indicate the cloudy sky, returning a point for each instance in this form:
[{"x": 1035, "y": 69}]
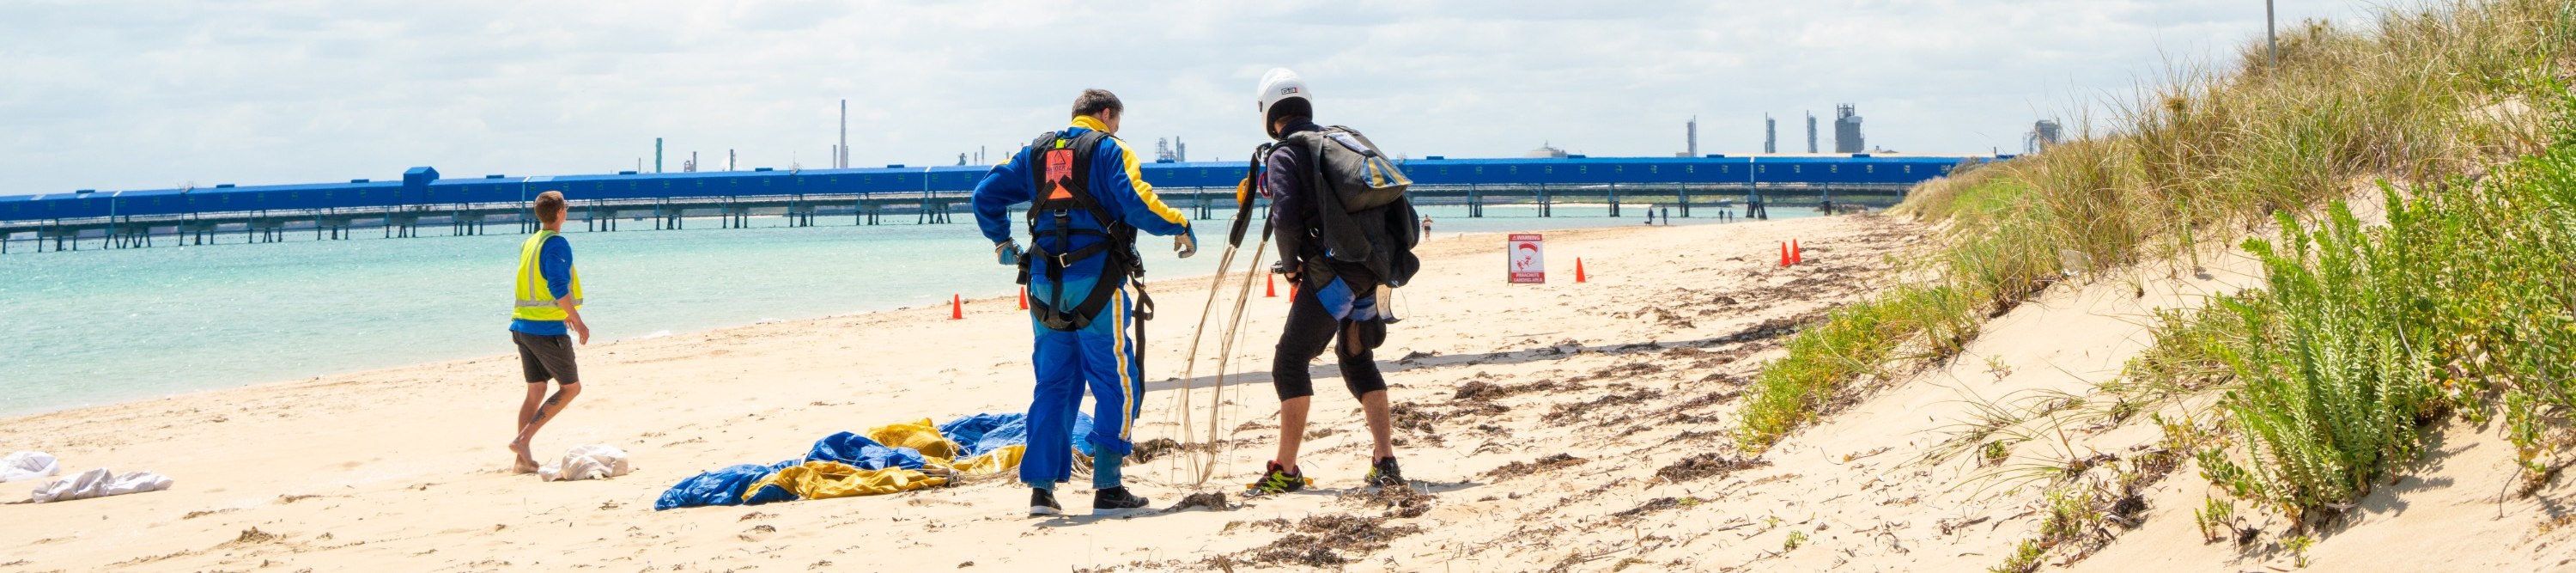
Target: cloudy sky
[{"x": 131, "y": 95}]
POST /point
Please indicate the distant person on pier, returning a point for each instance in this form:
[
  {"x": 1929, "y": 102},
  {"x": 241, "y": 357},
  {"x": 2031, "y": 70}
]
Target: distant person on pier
[
  {"x": 542, "y": 324},
  {"x": 1827, "y": 208},
  {"x": 1087, "y": 202},
  {"x": 1426, "y": 226},
  {"x": 1341, "y": 237}
]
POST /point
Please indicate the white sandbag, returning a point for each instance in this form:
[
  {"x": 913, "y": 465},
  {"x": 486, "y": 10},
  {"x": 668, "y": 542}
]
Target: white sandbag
[
  {"x": 28, "y": 465},
  {"x": 587, "y": 462},
  {"x": 99, "y": 483}
]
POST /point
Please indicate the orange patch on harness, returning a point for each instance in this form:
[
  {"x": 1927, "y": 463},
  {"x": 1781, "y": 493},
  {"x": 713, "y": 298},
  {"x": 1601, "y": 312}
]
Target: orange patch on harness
[{"x": 1059, "y": 168}]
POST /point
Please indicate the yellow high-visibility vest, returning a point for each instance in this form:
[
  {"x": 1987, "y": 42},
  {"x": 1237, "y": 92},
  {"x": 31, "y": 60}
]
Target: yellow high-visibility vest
[{"x": 536, "y": 298}]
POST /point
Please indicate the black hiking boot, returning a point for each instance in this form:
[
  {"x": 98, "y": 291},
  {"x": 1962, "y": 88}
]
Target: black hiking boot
[
  {"x": 1042, "y": 504},
  {"x": 1116, "y": 499},
  {"x": 1279, "y": 480},
  {"x": 1383, "y": 473}
]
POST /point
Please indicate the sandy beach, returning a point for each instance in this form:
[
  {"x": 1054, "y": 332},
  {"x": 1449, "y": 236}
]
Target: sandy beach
[{"x": 1561, "y": 426}]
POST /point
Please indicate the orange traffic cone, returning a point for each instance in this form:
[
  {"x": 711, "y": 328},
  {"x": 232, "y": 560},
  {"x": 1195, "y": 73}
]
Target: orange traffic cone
[
  {"x": 1024, "y": 298},
  {"x": 1578, "y": 269},
  {"x": 1271, "y": 286},
  {"x": 1796, "y": 255},
  {"x": 1784, "y": 254},
  {"x": 956, "y": 307}
]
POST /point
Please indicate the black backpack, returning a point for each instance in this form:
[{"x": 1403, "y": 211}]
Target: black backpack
[{"x": 1362, "y": 214}]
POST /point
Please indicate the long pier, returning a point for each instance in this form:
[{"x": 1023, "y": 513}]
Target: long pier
[{"x": 422, "y": 203}]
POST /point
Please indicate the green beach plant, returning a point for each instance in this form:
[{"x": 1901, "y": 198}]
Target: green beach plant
[{"x": 2417, "y": 96}]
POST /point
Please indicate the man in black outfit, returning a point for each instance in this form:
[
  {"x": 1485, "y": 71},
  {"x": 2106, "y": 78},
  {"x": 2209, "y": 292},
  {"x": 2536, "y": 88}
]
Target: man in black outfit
[{"x": 1335, "y": 300}]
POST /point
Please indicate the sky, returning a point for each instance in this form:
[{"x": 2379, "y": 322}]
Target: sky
[{"x": 159, "y": 94}]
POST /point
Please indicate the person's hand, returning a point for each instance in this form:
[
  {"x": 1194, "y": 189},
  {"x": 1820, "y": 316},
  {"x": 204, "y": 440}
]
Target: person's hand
[
  {"x": 1008, "y": 253},
  {"x": 1186, "y": 244},
  {"x": 580, "y": 330}
]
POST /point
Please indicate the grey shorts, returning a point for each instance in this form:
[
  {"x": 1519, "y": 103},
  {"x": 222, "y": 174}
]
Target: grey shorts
[{"x": 546, "y": 358}]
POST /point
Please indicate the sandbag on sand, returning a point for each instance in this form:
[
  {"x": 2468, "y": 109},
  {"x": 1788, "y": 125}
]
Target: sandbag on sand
[
  {"x": 28, "y": 465},
  {"x": 99, "y": 483},
  {"x": 587, "y": 462}
]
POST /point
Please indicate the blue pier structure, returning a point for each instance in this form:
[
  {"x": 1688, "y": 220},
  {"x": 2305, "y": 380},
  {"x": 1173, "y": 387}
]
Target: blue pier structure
[{"x": 423, "y": 200}]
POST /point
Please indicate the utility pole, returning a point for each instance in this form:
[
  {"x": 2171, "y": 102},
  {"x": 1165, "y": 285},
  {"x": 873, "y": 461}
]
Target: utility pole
[
  {"x": 2270, "y": 40},
  {"x": 657, "y": 155}
]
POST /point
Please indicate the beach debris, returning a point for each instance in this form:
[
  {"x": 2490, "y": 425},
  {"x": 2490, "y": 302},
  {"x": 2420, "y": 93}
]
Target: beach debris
[
  {"x": 1706, "y": 465},
  {"x": 1212, "y": 500},
  {"x": 1651, "y": 506},
  {"x": 252, "y": 535},
  {"x": 757, "y": 532},
  {"x": 1320, "y": 541},
  {"x": 1401, "y": 502},
  {"x": 1150, "y": 450},
  {"x": 1549, "y": 463}
]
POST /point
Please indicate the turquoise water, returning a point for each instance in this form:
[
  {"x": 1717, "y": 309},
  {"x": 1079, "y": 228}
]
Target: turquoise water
[{"x": 93, "y": 327}]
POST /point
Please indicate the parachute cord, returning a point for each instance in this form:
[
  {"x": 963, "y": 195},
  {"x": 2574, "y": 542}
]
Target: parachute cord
[
  {"x": 1219, "y": 453},
  {"x": 1189, "y": 368}
]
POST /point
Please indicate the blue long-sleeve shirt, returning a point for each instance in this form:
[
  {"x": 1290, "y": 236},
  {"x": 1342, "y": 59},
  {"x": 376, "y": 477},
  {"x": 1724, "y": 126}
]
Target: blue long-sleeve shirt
[
  {"x": 1116, "y": 183},
  {"x": 554, "y": 261}
]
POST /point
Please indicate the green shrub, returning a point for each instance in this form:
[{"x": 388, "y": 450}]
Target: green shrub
[{"x": 2333, "y": 384}]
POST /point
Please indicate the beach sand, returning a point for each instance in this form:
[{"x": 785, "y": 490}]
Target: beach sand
[{"x": 1635, "y": 376}]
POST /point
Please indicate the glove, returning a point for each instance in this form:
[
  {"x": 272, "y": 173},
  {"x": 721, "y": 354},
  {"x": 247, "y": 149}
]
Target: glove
[
  {"x": 1186, "y": 243},
  {"x": 1008, "y": 253}
]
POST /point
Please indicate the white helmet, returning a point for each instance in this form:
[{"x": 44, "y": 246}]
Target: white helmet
[{"x": 1281, "y": 85}]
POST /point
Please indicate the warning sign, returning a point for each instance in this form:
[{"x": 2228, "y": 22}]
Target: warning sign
[{"x": 1526, "y": 257}]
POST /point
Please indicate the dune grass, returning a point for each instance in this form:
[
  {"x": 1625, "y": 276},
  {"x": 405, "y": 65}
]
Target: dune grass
[{"x": 2416, "y": 97}]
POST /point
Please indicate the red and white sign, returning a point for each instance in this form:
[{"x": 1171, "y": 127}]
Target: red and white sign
[{"x": 1526, "y": 256}]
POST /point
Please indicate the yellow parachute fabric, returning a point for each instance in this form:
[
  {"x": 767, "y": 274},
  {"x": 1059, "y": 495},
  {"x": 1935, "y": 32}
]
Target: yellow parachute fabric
[
  {"x": 997, "y": 461},
  {"x": 921, "y": 436},
  {"x": 825, "y": 480}
]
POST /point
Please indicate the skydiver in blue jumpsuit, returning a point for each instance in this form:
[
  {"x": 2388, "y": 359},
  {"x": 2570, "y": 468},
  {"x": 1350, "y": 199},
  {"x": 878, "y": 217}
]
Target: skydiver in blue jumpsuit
[{"x": 1089, "y": 200}]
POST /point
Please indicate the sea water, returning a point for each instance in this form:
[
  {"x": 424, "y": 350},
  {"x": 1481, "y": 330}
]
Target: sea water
[{"x": 94, "y": 327}]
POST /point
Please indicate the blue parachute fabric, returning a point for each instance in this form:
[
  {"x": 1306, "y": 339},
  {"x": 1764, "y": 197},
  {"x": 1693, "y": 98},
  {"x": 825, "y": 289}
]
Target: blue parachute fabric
[
  {"x": 976, "y": 435},
  {"x": 720, "y": 487},
  {"x": 863, "y": 453},
  {"x": 1081, "y": 428},
  {"x": 987, "y": 432},
  {"x": 971, "y": 432}
]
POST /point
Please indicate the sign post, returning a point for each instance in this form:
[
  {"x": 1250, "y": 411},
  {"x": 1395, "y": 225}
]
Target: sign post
[{"x": 1525, "y": 255}]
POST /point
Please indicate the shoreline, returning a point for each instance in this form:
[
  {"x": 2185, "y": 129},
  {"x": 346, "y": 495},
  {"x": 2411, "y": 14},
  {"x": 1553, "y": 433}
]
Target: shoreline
[{"x": 502, "y": 349}]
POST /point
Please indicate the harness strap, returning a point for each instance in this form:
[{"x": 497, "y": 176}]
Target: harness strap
[{"x": 1062, "y": 183}]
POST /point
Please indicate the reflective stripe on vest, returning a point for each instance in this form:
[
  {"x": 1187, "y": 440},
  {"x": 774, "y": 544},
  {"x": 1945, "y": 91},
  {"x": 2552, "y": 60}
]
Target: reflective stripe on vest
[{"x": 531, "y": 291}]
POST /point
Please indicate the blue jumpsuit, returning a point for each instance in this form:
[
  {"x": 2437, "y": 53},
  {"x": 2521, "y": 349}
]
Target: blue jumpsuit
[{"x": 1100, "y": 356}]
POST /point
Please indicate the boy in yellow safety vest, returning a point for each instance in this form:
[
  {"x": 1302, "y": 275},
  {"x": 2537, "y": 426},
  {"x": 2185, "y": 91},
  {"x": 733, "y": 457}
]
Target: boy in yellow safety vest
[{"x": 542, "y": 322}]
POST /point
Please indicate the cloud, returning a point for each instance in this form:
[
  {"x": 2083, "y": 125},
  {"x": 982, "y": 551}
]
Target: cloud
[{"x": 156, "y": 94}]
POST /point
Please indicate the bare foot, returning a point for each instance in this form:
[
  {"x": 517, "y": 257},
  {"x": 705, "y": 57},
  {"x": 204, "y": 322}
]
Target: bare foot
[{"x": 525, "y": 463}]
